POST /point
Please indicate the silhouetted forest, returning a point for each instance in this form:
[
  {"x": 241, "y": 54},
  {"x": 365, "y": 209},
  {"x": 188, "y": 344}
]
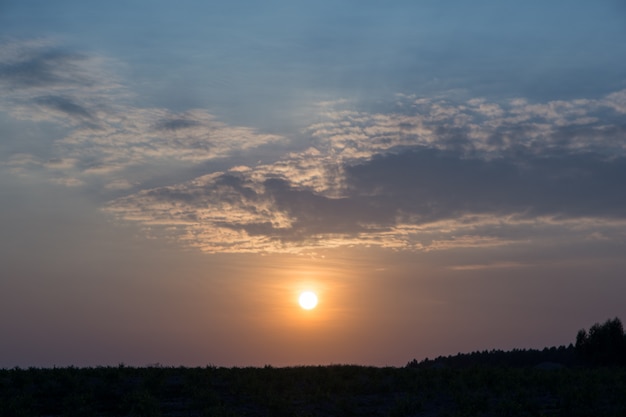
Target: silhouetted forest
[
  {"x": 583, "y": 379},
  {"x": 516, "y": 358},
  {"x": 603, "y": 345}
]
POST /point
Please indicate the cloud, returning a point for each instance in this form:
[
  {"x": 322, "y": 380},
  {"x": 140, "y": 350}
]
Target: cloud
[
  {"x": 30, "y": 68},
  {"x": 413, "y": 199},
  {"x": 107, "y": 140},
  {"x": 36, "y": 65},
  {"x": 136, "y": 137},
  {"x": 433, "y": 184},
  {"x": 65, "y": 107},
  {"x": 476, "y": 126},
  {"x": 425, "y": 174},
  {"x": 497, "y": 265}
]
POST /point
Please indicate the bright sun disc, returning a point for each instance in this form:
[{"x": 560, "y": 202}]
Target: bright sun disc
[{"x": 308, "y": 300}]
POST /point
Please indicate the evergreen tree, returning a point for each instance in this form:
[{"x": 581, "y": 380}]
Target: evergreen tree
[{"x": 603, "y": 345}]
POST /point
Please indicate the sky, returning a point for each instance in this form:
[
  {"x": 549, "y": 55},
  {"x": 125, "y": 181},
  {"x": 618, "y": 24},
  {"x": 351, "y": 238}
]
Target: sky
[{"x": 446, "y": 176}]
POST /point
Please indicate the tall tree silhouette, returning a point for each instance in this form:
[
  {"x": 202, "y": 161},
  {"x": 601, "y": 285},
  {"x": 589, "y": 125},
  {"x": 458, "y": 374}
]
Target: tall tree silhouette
[{"x": 604, "y": 344}]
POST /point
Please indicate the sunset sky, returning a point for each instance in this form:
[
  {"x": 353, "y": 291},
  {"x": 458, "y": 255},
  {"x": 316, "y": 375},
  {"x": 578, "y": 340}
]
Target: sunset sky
[{"x": 446, "y": 176}]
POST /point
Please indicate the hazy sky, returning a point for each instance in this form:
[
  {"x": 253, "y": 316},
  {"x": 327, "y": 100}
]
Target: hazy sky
[{"x": 448, "y": 176}]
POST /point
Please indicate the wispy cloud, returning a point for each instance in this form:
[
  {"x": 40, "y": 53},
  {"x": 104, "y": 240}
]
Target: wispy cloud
[
  {"x": 34, "y": 66},
  {"x": 106, "y": 135}
]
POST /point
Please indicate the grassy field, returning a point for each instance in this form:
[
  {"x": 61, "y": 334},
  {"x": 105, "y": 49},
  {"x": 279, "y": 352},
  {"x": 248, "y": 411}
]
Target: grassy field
[{"x": 337, "y": 390}]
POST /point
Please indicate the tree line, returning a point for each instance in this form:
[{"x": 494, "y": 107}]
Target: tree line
[{"x": 602, "y": 345}]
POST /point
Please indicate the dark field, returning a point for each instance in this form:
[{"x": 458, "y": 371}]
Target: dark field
[{"x": 337, "y": 390}]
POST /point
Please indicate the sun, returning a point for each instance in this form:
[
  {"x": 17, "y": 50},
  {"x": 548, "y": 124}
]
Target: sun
[{"x": 308, "y": 300}]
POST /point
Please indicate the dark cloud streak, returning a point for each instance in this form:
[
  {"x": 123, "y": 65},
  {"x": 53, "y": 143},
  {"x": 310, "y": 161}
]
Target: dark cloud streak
[
  {"x": 67, "y": 106},
  {"x": 434, "y": 184},
  {"x": 176, "y": 124},
  {"x": 43, "y": 67}
]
